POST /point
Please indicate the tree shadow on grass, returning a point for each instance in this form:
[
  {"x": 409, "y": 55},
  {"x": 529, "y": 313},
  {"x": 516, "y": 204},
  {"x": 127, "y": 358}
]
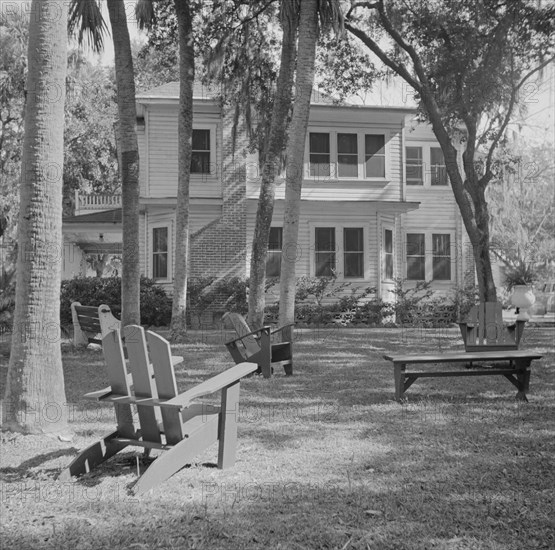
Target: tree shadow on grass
[{"x": 24, "y": 470}]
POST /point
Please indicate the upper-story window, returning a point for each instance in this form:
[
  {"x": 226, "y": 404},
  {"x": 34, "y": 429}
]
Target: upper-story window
[
  {"x": 349, "y": 155},
  {"x": 200, "y": 156},
  {"x": 275, "y": 245},
  {"x": 319, "y": 144},
  {"x": 437, "y": 166},
  {"x": 414, "y": 166},
  {"x": 425, "y": 166},
  {"x": 374, "y": 158}
]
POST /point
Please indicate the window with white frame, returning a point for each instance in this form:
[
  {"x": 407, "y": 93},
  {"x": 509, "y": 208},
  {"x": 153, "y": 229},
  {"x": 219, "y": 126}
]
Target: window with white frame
[
  {"x": 324, "y": 251},
  {"x": 339, "y": 250},
  {"x": 414, "y": 166},
  {"x": 275, "y": 246},
  {"x": 437, "y": 166},
  {"x": 388, "y": 253},
  {"x": 425, "y": 166},
  {"x": 428, "y": 256},
  {"x": 160, "y": 253},
  {"x": 346, "y": 154},
  {"x": 200, "y": 155}
]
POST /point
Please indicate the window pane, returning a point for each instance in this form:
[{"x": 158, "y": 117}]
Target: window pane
[
  {"x": 441, "y": 244},
  {"x": 388, "y": 240},
  {"x": 438, "y": 170},
  {"x": 415, "y": 268},
  {"x": 354, "y": 264},
  {"x": 389, "y": 266},
  {"x": 325, "y": 239},
  {"x": 160, "y": 266},
  {"x": 319, "y": 142},
  {"x": 347, "y": 166},
  {"x": 347, "y": 143},
  {"x": 375, "y": 167},
  {"x": 352, "y": 239},
  {"x": 201, "y": 140},
  {"x": 414, "y": 166},
  {"x": 273, "y": 263},
  {"x": 442, "y": 268},
  {"x": 200, "y": 162},
  {"x": 160, "y": 239},
  {"x": 374, "y": 144},
  {"x": 415, "y": 244},
  {"x": 325, "y": 264},
  {"x": 275, "y": 242}
]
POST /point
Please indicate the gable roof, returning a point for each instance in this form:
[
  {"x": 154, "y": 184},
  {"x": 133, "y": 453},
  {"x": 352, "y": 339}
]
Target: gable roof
[{"x": 107, "y": 216}]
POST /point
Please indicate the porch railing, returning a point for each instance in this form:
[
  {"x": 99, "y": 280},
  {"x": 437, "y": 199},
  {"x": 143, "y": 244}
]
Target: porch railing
[{"x": 94, "y": 203}]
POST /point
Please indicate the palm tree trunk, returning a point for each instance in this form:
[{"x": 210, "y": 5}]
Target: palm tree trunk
[
  {"x": 129, "y": 169},
  {"x": 178, "y": 326},
  {"x": 308, "y": 37},
  {"x": 35, "y": 395},
  {"x": 276, "y": 145}
]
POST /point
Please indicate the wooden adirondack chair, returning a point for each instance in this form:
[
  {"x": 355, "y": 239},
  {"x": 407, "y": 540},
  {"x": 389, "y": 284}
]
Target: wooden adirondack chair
[
  {"x": 187, "y": 428},
  {"x": 256, "y": 345},
  {"x": 484, "y": 330}
]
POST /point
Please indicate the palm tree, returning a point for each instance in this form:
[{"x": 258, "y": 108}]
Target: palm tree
[
  {"x": 271, "y": 161},
  {"x": 178, "y": 326},
  {"x": 85, "y": 15},
  {"x": 329, "y": 13},
  {"x": 35, "y": 395}
]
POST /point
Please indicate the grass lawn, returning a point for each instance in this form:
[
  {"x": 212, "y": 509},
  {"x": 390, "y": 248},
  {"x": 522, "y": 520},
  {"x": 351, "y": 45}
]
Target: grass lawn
[{"x": 326, "y": 458}]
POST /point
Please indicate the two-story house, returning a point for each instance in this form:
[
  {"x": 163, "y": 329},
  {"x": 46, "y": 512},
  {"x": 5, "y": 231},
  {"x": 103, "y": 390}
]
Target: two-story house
[{"x": 376, "y": 202}]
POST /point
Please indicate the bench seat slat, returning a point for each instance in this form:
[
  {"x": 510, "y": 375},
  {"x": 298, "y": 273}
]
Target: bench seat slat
[{"x": 464, "y": 356}]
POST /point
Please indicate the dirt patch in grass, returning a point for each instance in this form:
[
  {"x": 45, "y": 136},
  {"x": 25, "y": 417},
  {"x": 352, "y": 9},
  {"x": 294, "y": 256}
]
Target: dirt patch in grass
[{"x": 326, "y": 459}]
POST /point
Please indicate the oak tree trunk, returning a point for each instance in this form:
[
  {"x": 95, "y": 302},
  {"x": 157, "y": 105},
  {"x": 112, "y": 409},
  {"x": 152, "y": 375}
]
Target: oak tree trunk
[
  {"x": 129, "y": 169},
  {"x": 304, "y": 81},
  {"x": 35, "y": 396},
  {"x": 270, "y": 169},
  {"x": 178, "y": 326}
]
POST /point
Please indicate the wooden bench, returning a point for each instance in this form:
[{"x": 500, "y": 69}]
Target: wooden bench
[
  {"x": 256, "y": 345},
  {"x": 186, "y": 428},
  {"x": 518, "y": 371},
  {"x": 91, "y": 323}
]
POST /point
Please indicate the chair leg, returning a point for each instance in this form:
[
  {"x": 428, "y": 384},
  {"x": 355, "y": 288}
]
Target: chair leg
[
  {"x": 179, "y": 456},
  {"x": 93, "y": 456},
  {"x": 288, "y": 367},
  {"x": 228, "y": 426}
]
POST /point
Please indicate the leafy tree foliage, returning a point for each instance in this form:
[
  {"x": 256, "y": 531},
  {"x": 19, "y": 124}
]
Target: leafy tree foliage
[{"x": 465, "y": 63}]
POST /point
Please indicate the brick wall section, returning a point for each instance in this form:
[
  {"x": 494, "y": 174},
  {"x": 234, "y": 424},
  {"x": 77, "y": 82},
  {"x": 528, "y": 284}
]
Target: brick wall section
[{"x": 219, "y": 248}]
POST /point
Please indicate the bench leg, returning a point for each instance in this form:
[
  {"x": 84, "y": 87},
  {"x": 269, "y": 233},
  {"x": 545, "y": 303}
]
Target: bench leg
[
  {"x": 523, "y": 377},
  {"x": 399, "y": 374}
]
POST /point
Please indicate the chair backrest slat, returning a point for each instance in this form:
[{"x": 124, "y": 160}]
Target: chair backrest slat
[
  {"x": 115, "y": 362},
  {"x": 241, "y": 328},
  {"x": 160, "y": 354},
  {"x": 489, "y": 330},
  {"x": 143, "y": 384}
]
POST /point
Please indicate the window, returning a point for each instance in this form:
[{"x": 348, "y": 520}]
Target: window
[
  {"x": 324, "y": 251},
  {"x": 374, "y": 155},
  {"x": 347, "y": 155},
  {"x": 160, "y": 253},
  {"x": 441, "y": 246},
  {"x": 388, "y": 254},
  {"x": 416, "y": 259},
  {"x": 200, "y": 156},
  {"x": 414, "y": 166},
  {"x": 437, "y": 165},
  {"x": 275, "y": 245},
  {"x": 353, "y": 252},
  {"x": 319, "y": 152}
]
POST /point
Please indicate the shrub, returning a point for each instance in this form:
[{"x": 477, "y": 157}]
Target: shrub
[
  {"x": 156, "y": 305},
  {"x": 407, "y": 300}
]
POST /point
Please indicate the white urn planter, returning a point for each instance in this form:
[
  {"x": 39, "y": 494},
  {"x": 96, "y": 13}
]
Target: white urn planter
[{"x": 523, "y": 298}]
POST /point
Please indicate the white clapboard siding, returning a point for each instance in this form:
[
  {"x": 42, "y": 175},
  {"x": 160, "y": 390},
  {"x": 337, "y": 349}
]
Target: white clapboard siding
[
  {"x": 141, "y": 142},
  {"x": 161, "y": 163}
]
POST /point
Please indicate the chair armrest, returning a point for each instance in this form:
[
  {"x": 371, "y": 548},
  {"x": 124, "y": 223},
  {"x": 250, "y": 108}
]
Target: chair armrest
[
  {"x": 252, "y": 333},
  {"x": 214, "y": 384},
  {"x": 279, "y": 329}
]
